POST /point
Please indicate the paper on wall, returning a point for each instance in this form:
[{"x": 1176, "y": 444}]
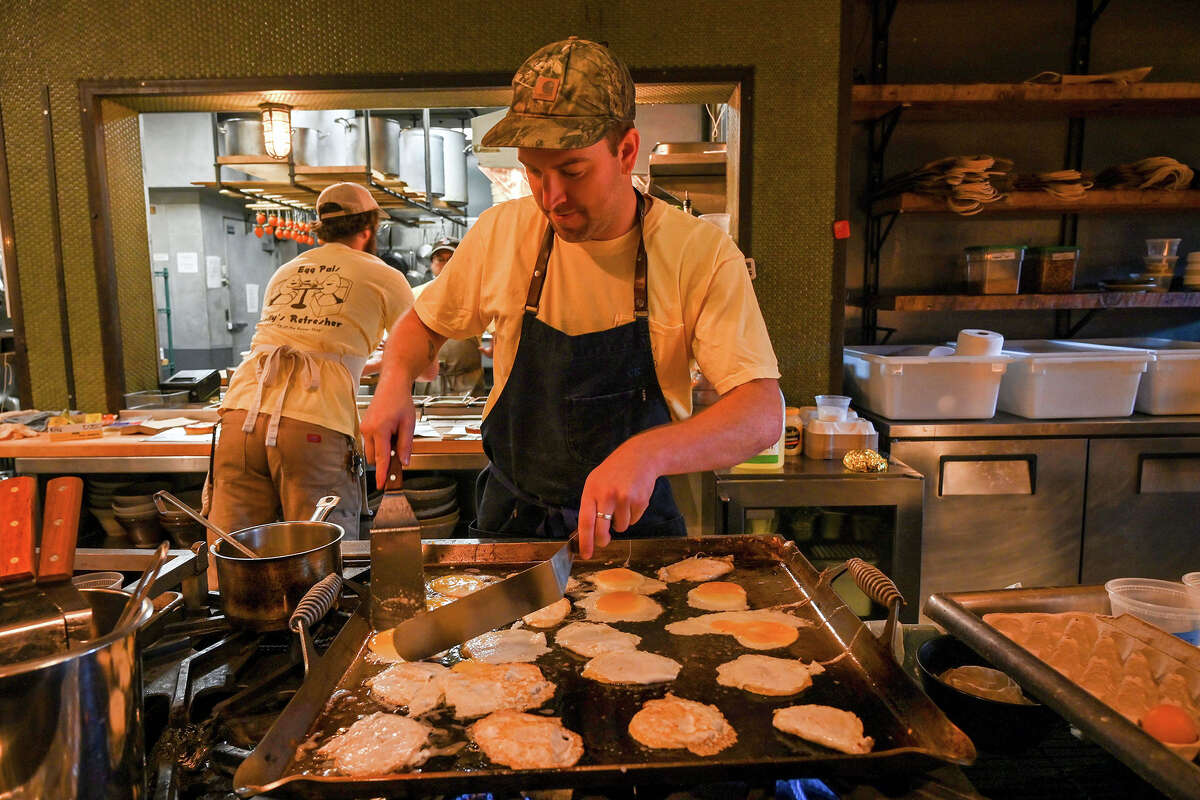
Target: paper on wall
[
  {"x": 251, "y": 298},
  {"x": 187, "y": 262},
  {"x": 212, "y": 272}
]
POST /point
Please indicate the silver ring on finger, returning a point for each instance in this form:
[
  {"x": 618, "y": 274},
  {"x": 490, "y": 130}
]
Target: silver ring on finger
[{"x": 602, "y": 515}]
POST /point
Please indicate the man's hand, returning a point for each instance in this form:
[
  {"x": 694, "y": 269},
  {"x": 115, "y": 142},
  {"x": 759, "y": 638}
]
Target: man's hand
[
  {"x": 620, "y": 485},
  {"x": 391, "y": 416}
]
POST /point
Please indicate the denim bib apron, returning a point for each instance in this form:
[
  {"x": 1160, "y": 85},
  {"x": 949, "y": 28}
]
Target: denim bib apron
[{"x": 568, "y": 403}]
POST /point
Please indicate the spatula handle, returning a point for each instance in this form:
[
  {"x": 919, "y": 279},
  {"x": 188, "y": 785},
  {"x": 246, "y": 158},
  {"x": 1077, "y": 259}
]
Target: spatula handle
[
  {"x": 60, "y": 529},
  {"x": 395, "y": 473},
  {"x": 17, "y": 496}
]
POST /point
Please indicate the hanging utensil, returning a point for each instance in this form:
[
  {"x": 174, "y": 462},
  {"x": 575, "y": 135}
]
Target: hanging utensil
[
  {"x": 56, "y": 560},
  {"x": 144, "y": 584},
  {"x": 164, "y": 495}
]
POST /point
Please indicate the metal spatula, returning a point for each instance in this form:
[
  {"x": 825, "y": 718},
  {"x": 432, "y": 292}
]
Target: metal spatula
[
  {"x": 499, "y": 604},
  {"x": 397, "y": 571}
]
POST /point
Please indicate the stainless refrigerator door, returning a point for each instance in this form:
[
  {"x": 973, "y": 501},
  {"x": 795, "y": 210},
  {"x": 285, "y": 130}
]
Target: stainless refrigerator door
[
  {"x": 999, "y": 512},
  {"x": 1143, "y": 509}
]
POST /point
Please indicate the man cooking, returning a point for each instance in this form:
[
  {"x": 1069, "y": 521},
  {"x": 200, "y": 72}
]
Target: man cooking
[
  {"x": 460, "y": 362},
  {"x": 600, "y": 299},
  {"x": 289, "y": 420}
]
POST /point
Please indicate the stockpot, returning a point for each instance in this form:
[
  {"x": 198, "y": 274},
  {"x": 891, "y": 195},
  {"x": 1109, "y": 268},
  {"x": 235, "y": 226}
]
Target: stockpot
[
  {"x": 70, "y": 723},
  {"x": 344, "y": 144},
  {"x": 306, "y": 146},
  {"x": 242, "y": 136},
  {"x": 261, "y": 593}
]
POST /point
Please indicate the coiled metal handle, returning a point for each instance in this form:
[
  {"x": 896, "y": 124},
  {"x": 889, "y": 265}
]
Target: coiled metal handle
[
  {"x": 310, "y": 610},
  {"x": 316, "y": 602},
  {"x": 874, "y": 583}
]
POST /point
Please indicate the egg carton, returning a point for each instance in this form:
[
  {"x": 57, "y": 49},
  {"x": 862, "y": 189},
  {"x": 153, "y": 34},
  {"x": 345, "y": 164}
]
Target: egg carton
[{"x": 1125, "y": 663}]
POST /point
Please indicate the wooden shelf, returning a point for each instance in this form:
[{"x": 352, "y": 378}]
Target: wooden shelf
[
  {"x": 949, "y": 101},
  {"x": 1033, "y": 302},
  {"x": 1096, "y": 201}
]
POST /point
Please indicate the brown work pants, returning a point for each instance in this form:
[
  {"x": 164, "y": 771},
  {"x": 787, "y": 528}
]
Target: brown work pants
[{"x": 253, "y": 484}]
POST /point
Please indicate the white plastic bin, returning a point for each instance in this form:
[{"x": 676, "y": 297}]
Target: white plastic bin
[
  {"x": 1059, "y": 379},
  {"x": 905, "y": 382},
  {"x": 1171, "y": 384}
]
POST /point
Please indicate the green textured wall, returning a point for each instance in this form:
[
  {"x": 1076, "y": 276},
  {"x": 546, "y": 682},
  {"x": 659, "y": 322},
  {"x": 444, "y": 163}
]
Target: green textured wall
[{"x": 793, "y": 46}]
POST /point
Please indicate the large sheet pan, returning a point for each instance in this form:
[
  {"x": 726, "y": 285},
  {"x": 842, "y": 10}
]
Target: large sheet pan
[
  {"x": 961, "y": 614},
  {"x": 911, "y": 733}
]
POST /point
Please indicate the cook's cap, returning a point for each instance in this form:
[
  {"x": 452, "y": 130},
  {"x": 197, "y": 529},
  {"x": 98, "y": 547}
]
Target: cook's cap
[
  {"x": 565, "y": 96},
  {"x": 344, "y": 199},
  {"x": 444, "y": 243}
]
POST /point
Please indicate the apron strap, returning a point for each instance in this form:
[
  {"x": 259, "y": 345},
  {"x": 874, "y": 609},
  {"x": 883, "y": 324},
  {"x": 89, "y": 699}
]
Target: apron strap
[
  {"x": 641, "y": 304},
  {"x": 270, "y": 370},
  {"x": 568, "y": 516}
]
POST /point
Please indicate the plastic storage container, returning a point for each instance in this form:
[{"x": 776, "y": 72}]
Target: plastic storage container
[
  {"x": 1171, "y": 384},
  {"x": 994, "y": 269},
  {"x": 1056, "y": 379},
  {"x": 1049, "y": 269},
  {"x": 832, "y": 440},
  {"x": 905, "y": 382},
  {"x": 1165, "y": 604}
]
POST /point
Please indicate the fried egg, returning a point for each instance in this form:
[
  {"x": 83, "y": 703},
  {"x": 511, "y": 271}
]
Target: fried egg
[
  {"x": 382, "y": 648},
  {"x": 619, "y": 607},
  {"x": 763, "y": 629},
  {"x": 460, "y": 584},
  {"x": 672, "y": 722},
  {"x": 416, "y": 685},
  {"x": 475, "y": 688},
  {"x": 718, "y": 596},
  {"x": 631, "y": 666},
  {"x": 526, "y": 741},
  {"x": 506, "y": 646},
  {"x": 827, "y": 726},
  {"x": 620, "y": 579},
  {"x": 590, "y": 639},
  {"x": 377, "y": 745},
  {"x": 549, "y": 616},
  {"x": 696, "y": 568},
  {"x": 774, "y": 677}
]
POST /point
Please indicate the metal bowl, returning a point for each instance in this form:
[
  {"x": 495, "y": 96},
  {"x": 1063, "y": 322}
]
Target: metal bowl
[{"x": 991, "y": 724}]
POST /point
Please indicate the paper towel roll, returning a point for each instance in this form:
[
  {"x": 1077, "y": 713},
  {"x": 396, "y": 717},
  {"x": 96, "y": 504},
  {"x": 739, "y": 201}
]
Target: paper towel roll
[{"x": 974, "y": 342}]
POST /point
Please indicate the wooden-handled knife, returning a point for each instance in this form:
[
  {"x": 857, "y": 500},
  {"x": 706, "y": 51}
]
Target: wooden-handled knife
[{"x": 56, "y": 561}]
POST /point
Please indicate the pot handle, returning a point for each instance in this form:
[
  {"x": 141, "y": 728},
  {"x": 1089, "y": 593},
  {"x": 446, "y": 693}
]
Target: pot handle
[
  {"x": 325, "y": 505},
  {"x": 880, "y": 588},
  {"x": 311, "y": 609},
  {"x": 167, "y": 606}
]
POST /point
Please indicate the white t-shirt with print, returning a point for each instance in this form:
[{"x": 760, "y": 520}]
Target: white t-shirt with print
[{"x": 331, "y": 299}]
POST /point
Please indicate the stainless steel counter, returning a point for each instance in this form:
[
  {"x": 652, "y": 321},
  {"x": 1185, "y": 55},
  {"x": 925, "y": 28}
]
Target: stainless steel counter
[{"x": 1010, "y": 426}]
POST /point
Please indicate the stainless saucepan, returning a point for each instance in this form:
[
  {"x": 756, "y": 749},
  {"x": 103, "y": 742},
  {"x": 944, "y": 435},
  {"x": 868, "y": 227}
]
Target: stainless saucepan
[{"x": 261, "y": 593}]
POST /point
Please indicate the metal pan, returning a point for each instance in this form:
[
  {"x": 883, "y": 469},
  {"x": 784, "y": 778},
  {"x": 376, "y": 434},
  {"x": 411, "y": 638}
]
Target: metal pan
[
  {"x": 961, "y": 614},
  {"x": 911, "y": 733}
]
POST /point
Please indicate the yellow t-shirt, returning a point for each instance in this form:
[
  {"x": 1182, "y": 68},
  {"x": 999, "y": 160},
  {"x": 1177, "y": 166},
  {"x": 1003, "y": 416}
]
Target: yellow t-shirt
[
  {"x": 331, "y": 299},
  {"x": 702, "y": 305}
]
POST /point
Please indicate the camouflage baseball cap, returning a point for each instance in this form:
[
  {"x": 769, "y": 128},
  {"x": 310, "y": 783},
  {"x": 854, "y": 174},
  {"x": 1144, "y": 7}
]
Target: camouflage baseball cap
[{"x": 565, "y": 96}]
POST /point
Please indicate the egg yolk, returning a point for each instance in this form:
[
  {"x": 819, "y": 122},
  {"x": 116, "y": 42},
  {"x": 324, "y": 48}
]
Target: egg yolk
[
  {"x": 618, "y": 602},
  {"x": 617, "y": 579},
  {"x": 1171, "y": 724},
  {"x": 761, "y": 635},
  {"x": 719, "y": 590},
  {"x": 381, "y": 645},
  {"x": 459, "y": 585}
]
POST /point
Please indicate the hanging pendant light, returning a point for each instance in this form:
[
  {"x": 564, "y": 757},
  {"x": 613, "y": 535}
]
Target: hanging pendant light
[{"x": 277, "y": 129}]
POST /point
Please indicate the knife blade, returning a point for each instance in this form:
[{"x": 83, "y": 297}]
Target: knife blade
[
  {"x": 491, "y": 607},
  {"x": 397, "y": 569}
]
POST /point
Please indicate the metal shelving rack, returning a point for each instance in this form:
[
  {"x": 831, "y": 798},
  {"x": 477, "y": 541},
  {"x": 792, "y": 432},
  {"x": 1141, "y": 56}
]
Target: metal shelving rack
[{"x": 881, "y": 106}]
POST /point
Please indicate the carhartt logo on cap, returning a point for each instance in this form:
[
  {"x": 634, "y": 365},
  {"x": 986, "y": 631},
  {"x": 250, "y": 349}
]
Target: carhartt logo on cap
[{"x": 546, "y": 89}]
